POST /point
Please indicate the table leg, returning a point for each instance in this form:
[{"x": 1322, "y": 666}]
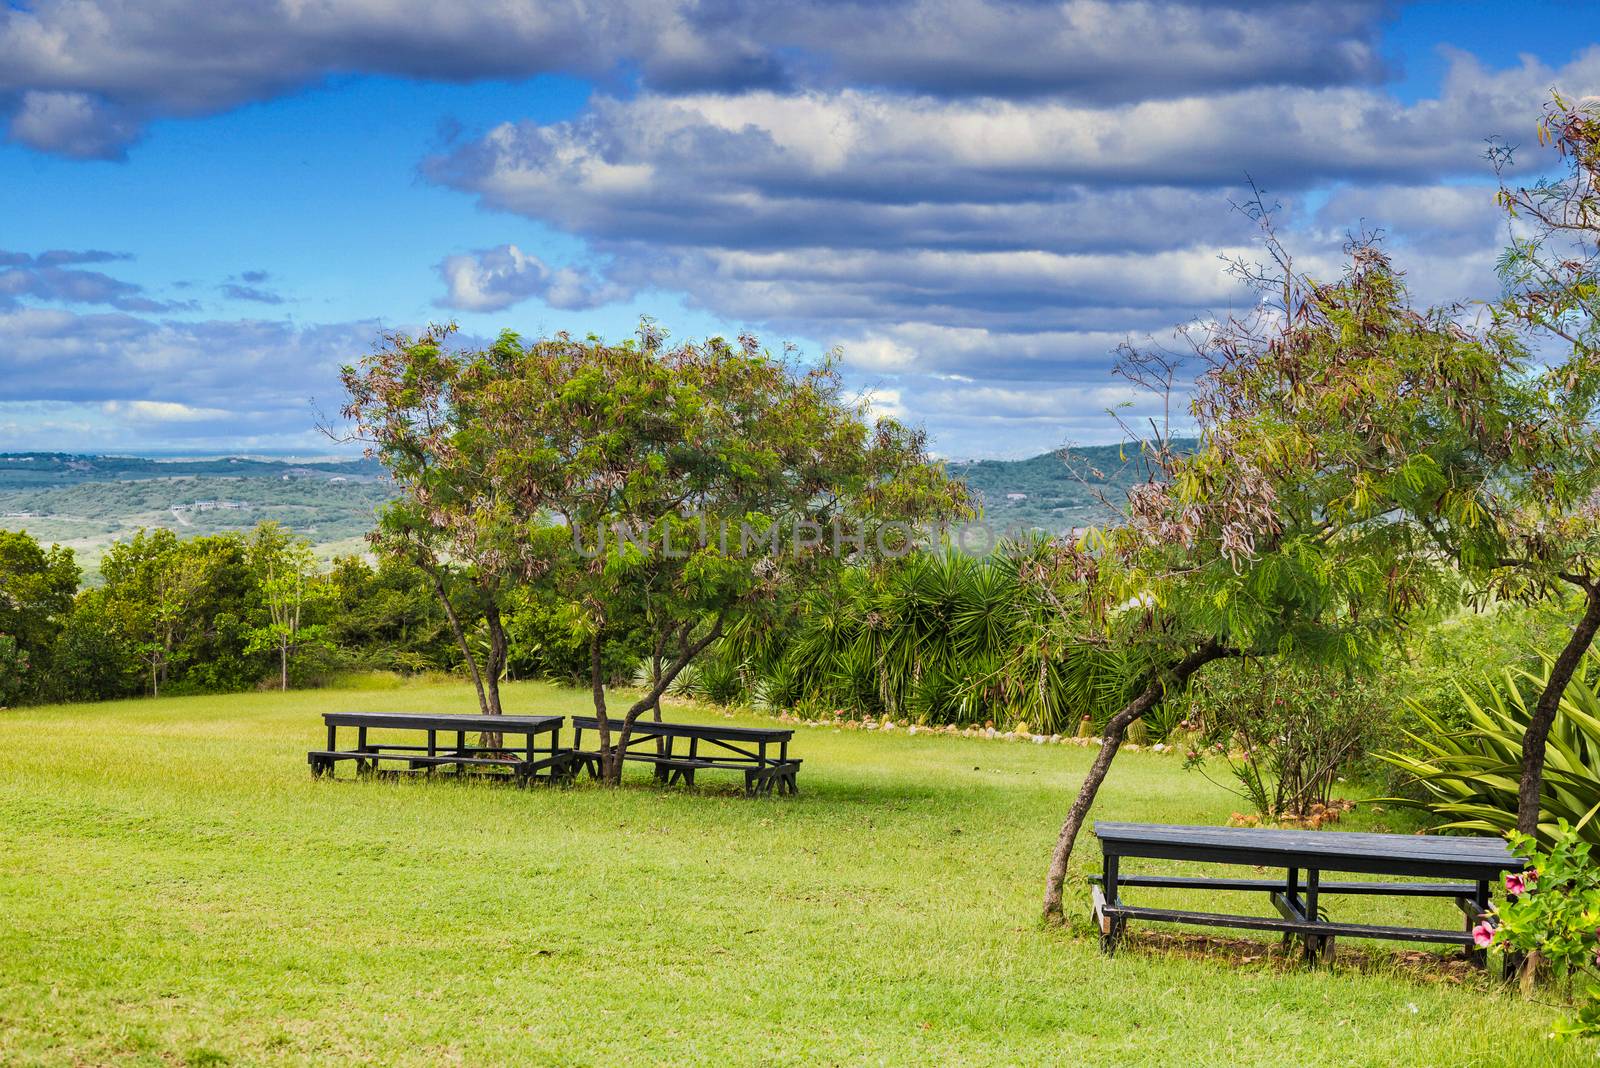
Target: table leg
[
  {"x": 1480, "y": 898},
  {"x": 1111, "y": 933},
  {"x": 1291, "y": 894},
  {"x": 1317, "y": 946}
]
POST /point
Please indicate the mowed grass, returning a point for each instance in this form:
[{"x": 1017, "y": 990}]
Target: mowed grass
[{"x": 175, "y": 888}]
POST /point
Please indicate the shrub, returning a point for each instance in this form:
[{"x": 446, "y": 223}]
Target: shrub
[
  {"x": 1469, "y": 775},
  {"x": 1553, "y": 909},
  {"x": 1286, "y": 732},
  {"x": 721, "y": 679}
]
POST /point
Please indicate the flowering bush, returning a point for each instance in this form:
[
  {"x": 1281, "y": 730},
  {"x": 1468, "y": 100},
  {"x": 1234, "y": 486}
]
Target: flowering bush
[{"x": 1553, "y": 908}]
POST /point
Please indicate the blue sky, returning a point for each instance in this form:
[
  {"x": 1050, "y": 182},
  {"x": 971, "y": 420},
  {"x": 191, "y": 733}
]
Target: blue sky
[{"x": 204, "y": 210}]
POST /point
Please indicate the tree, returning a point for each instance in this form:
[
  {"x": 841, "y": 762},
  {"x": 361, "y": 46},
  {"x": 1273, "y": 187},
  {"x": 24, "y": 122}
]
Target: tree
[
  {"x": 286, "y": 571},
  {"x": 1328, "y": 418},
  {"x": 1548, "y": 515},
  {"x": 675, "y": 488},
  {"x": 92, "y": 659},
  {"x": 185, "y": 605},
  {"x": 36, "y": 590},
  {"x": 412, "y": 403},
  {"x": 387, "y": 616}
]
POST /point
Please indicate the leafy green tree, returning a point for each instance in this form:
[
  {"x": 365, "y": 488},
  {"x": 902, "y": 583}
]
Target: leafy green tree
[
  {"x": 286, "y": 572},
  {"x": 415, "y": 407},
  {"x": 1329, "y": 418},
  {"x": 387, "y": 616},
  {"x": 36, "y": 590},
  {"x": 679, "y": 486},
  {"x": 185, "y": 605},
  {"x": 92, "y": 659}
]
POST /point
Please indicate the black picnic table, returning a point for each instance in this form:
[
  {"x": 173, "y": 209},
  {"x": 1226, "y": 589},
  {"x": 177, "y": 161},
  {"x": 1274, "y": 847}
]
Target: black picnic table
[
  {"x": 524, "y": 762},
  {"x": 1470, "y": 865},
  {"x": 762, "y": 753}
]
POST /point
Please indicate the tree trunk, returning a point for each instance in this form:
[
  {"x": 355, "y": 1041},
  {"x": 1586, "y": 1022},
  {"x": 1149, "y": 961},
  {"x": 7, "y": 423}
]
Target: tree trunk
[
  {"x": 1544, "y": 713},
  {"x": 283, "y": 664},
  {"x": 461, "y": 638},
  {"x": 1151, "y": 696},
  {"x": 610, "y": 762},
  {"x": 655, "y": 680},
  {"x": 492, "y": 669},
  {"x": 611, "y": 757}
]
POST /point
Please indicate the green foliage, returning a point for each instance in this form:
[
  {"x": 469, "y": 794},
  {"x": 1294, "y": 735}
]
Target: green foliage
[
  {"x": 36, "y": 590},
  {"x": 185, "y": 607},
  {"x": 939, "y": 638},
  {"x": 1286, "y": 731},
  {"x": 1426, "y": 672},
  {"x": 93, "y": 659},
  {"x": 15, "y": 674},
  {"x": 669, "y": 492},
  {"x": 387, "y": 617},
  {"x": 1553, "y": 909},
  {"x": 285, "y": 574},
  {"x": 1469, "y": 774}
]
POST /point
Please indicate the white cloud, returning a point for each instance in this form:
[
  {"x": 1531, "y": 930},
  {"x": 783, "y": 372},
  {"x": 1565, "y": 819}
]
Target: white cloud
[
  {"x": 495, "y": 278},
  {"x": 148, "y": 411},
  {"x": 83, "y": 76}
]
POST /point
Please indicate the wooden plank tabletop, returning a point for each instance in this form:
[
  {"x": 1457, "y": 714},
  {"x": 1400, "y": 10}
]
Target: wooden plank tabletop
[
  {"x": 426, "y": 721},
  {"x": 690, "y": 730},
  {"x": 1352, "y": 851}
]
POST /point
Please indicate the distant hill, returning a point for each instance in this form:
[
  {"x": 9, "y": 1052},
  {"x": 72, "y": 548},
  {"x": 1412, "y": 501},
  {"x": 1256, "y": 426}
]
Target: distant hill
[
  {"x": 88, "y": 502},
  {"x": 1053, "y": 492}
]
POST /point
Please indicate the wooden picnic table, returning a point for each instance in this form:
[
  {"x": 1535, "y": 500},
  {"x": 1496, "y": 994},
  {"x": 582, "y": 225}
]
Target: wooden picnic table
[
  {"x": 761, "y": 753},
  {"x": 1471, "y": 865},
  {"x": 537, "y": 754}
]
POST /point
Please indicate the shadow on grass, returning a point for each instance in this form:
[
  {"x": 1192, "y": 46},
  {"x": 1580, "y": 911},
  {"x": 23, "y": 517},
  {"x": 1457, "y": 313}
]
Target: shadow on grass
[{"x": 1425, "y": 967}]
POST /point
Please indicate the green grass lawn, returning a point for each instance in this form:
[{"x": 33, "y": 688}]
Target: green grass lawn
[{"x": 175, "y": 888}]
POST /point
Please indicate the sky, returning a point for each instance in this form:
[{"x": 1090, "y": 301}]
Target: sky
[{"x": 206, "y": 209}]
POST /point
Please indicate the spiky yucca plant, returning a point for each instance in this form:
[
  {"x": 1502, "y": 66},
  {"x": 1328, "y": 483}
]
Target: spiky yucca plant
[
  {"x": 1470, "y": 775},
  {"x": 945, "y": 638}
]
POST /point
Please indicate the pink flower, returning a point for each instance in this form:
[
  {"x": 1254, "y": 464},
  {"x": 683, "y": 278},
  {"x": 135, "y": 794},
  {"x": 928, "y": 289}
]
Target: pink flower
[
  {"x": 1483, "y": 934},
  {"x": 1515, "y": 884}
]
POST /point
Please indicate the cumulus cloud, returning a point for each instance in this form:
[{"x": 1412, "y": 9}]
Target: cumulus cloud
[
  {"x": 975, "y": 199},
  {"x": 495, "y": 278},
  {"x": 697, "y": 168},
  {"x": 79, "y": 125},
  {"x": 83, "y": 76},
  {"x": 940, "y": 237}
]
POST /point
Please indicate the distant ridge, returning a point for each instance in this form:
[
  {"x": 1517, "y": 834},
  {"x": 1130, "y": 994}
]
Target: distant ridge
[
  {"x": 88, "y": 501},
  {"x": 1055, "y": 494}
]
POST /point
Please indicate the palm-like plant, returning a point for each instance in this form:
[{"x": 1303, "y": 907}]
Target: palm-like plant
[
  {"x": 1471, "y": 775},
  {"x": 944, "y": 638}
]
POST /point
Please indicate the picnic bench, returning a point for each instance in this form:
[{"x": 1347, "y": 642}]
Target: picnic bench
[
  {"x": 705, "y": 747},
  {"x": 537, "y": 755},
  {"x": 1469, "y": 865}
]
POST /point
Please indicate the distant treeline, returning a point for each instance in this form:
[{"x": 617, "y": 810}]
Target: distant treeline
[{"x": 228, "y": 612}]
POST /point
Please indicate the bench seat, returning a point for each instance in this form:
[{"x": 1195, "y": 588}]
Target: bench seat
[
  {"x": 1471, "y": 865},
  {"x": 322, "y": 760}
]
